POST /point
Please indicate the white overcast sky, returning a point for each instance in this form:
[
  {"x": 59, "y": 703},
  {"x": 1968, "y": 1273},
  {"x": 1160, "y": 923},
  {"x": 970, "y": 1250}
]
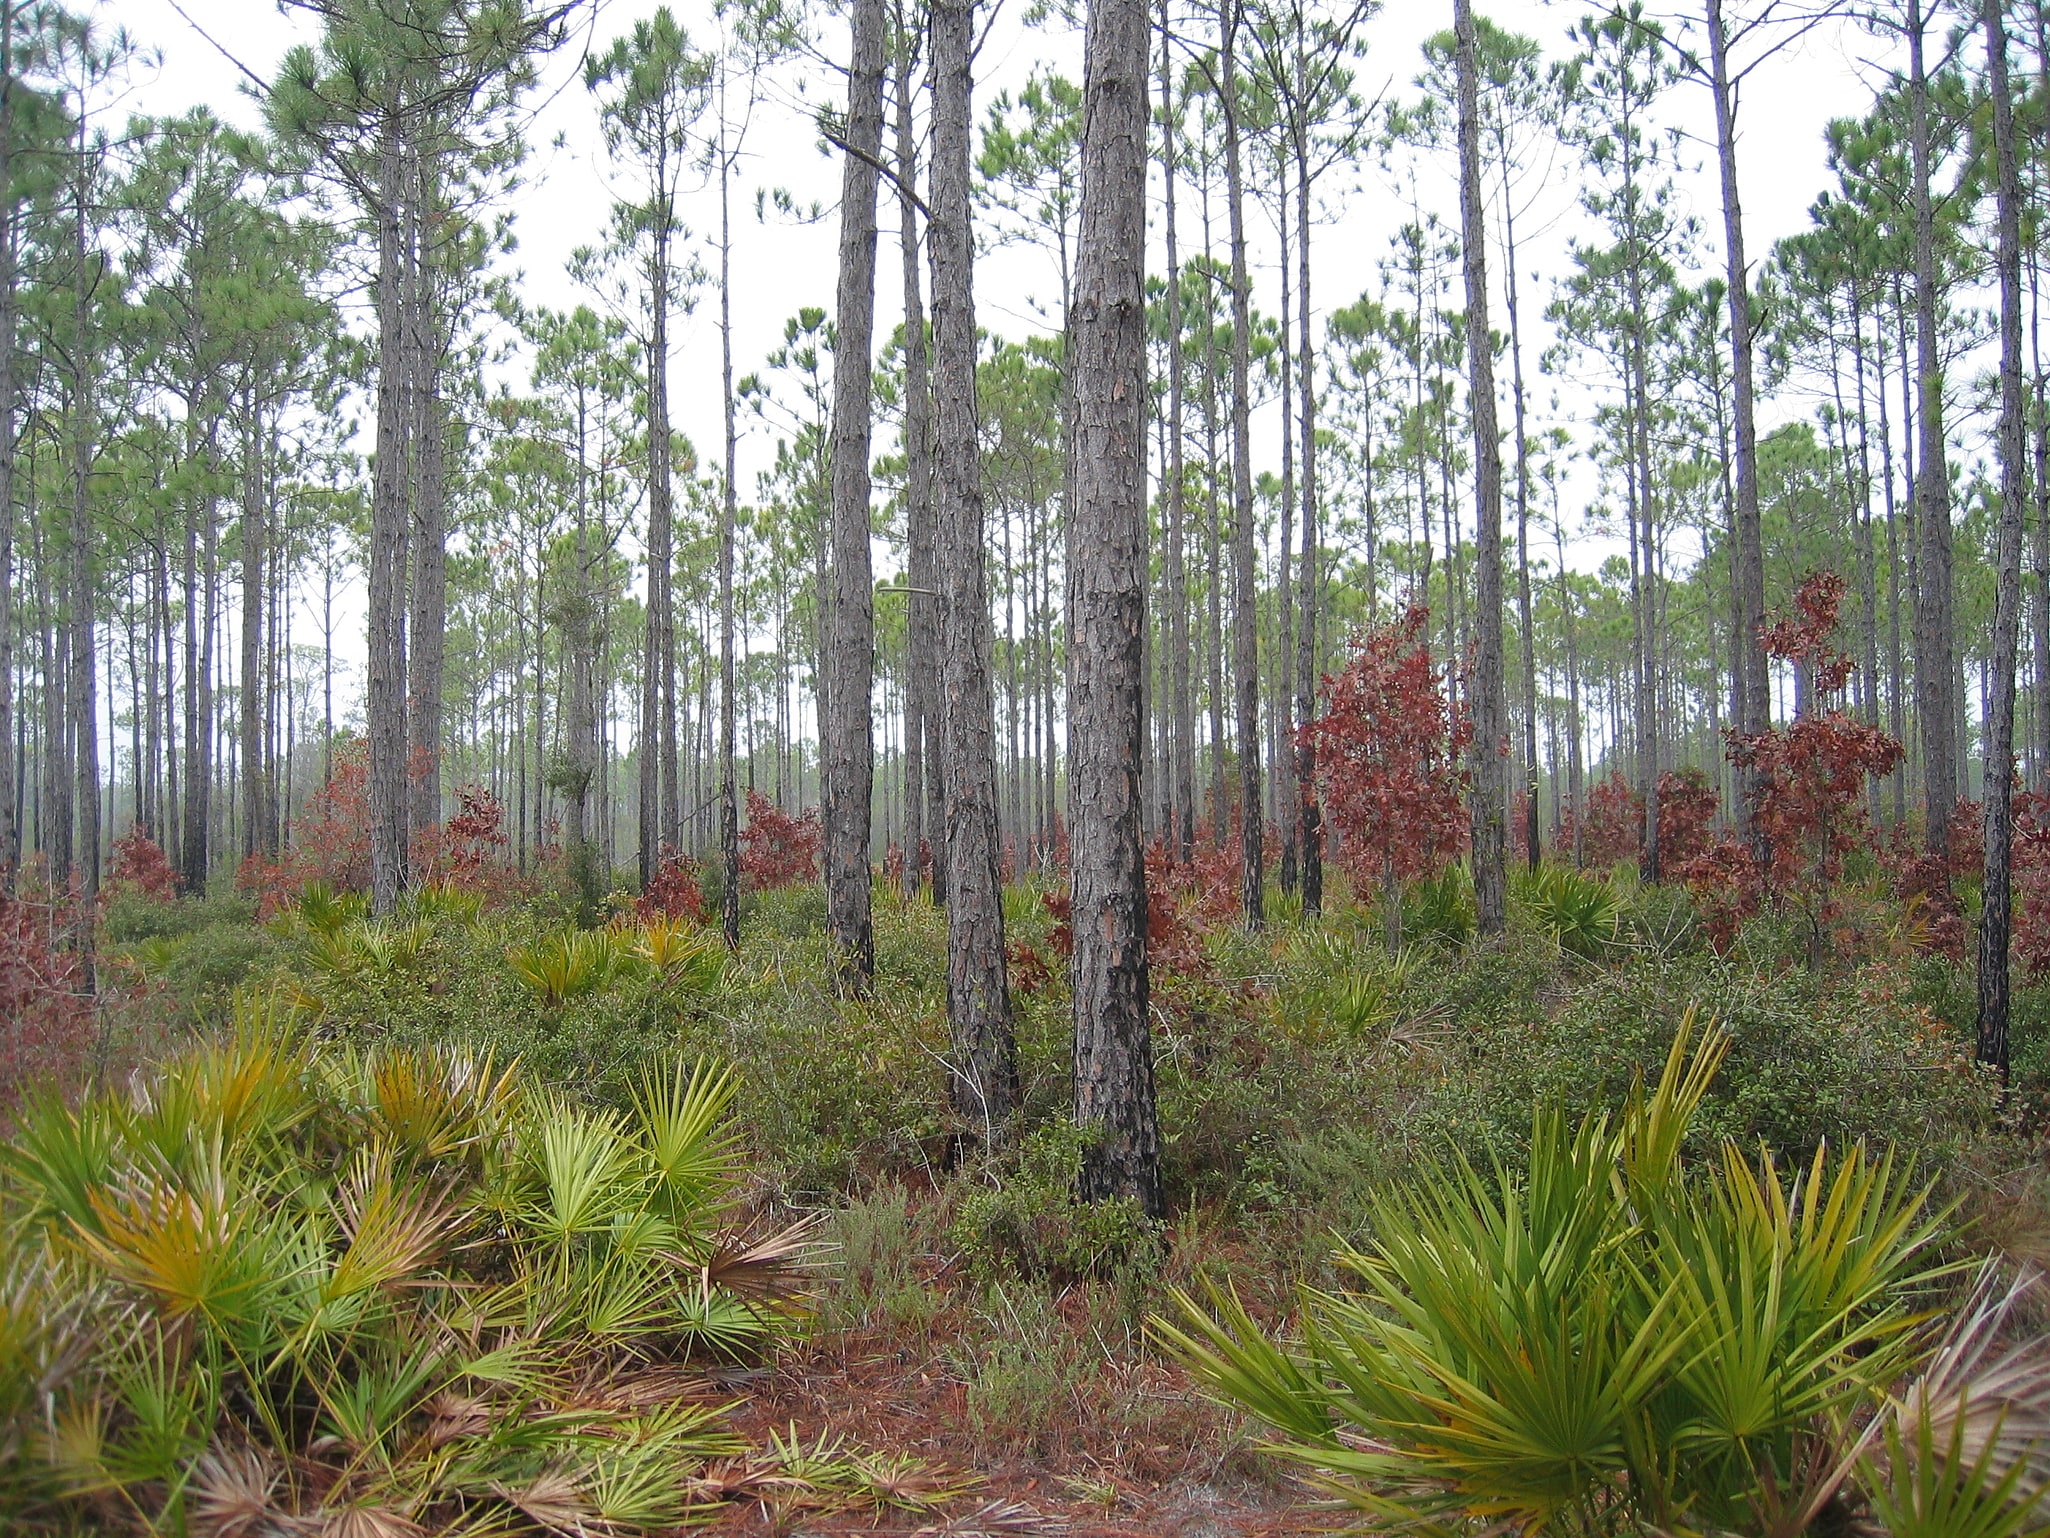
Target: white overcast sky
[{"x": 782, "y": 265}]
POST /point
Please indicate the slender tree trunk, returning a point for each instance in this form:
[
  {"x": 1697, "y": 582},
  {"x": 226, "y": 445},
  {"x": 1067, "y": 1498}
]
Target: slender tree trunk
[
  {"x": 729, "y": 525},
  {"x": 848, "y": 751},
  {"x": 385, "y": 680},
  {"x": 1181, "y": 705},
  {"x": 1751, "y": 704},
  {"x": 10, "y": 304},
  {"x": 1488, "y": 705},
  {"x": 427, "y": 629},
  {"x": 925, "y": 817},
  {"x": 84, "y": 654},
  {"x": 1244, "y": 590},
  {"x": 1935, "y": 664},
  {"x": 1526, "y": 625},
  {"x": 1995, "y": 925},
  {"x": 985, "y": 1059},
  {"x": 250, "y": 721},
  {"x": 1107, "y": 558},
  {"x": 1309, "y": 810}
]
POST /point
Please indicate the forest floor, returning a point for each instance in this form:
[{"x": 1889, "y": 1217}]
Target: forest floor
[{"x": 1094, "y": 1484}]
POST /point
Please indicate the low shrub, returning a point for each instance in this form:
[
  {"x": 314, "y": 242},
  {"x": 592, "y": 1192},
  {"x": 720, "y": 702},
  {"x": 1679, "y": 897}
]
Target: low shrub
[
  {"x": 1615, "y": 1338},
  {"x": 280, "y": 1287},
  {"x": 1027, "y": 1225}
]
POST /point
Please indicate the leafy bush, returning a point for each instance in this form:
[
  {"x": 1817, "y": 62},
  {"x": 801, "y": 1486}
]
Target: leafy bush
[
  {"x": 300, "y": 1288},
  {"x": 1582, "y": 912},
  {"x": 777, "y": 849},
  {"x": 1616, "y": 1333},
  {"x": 1029, "y": 1226},
  {"x": 1439, "y": 907}
]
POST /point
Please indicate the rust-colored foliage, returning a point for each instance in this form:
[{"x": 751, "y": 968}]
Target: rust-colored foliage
[
  {"x": 140, "y": 867},
  {"x": 468, "y": 851},
  {"x": 1687, "y": 807},
  {"x": 45, "y": 1015},
  {"x": 673, "y": 892},
  {"x": 1809, "y": 804},
  {"x": 1388, "y": 750},
  {"x": 1612, "y": 829},
  {"x": 777, "y": 849}
]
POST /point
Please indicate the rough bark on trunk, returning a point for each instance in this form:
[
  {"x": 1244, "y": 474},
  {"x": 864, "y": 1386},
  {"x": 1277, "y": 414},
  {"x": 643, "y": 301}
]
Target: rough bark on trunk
[
  {"x": 385, "y": 678},
  {"x": 729, "y": 521},
  {"x": 924, "y": 783},
  {"x": 254, "y": 840},
  {"x": 1490, "y": 744},
  {"x": 847, "y": 765},
  {"x": 1309, "y": 810},
  {"x": 1107, "y": 558},
  {"x": 1996, "y": 918},
  {"x": 428, "y": 592},
  {"x": 1751, "y": 704},
  {"x": 985, "y": 1061},
  {"x": 10, "y": 833},
  {"x": 84, "y": 691},
  {"x": 1181, "y": 706},
  {"x": 1244, "y": 590},
  {"x": 1935, "y": 665}
]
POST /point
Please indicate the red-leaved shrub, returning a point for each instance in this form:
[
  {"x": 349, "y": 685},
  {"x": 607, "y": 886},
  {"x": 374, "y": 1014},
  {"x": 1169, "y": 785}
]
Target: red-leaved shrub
[
  {"x": 45, "y": 1016},
  {"x": 1610, "y": 829},
  {"x": 139, "y": 868},
  {"x": 777, "y": 849},
  {"x": 1388, "y": 751},
  {"x": 1809, "y": 802},
  {"x": 673, "y": 891}
]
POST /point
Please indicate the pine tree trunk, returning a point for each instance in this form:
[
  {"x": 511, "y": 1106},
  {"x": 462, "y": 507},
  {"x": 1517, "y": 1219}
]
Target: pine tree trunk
[
  {"x": 1244, "y": 588},
  {"x": 656, "y": 758},
  {"x": 985, "y": 1062},
  {"x": 84, "y": 689},
  {"x": 1107, "y": 559},
  {"x": 1996, "y": 919},
  {"x": 250, "y": 720},
  {"x": 1751, "y": 704},
  {"x": 10, "y": 302},
  {"x": 924, "y": 808},
  {"x": 428, "y": 626},
  {"x": 729, "y": 523},
  {"x": 1309, "y": 810},
  {"x": 385, "y": 679},
  {"x": 848, "y": 751},
  {"x": 1181, "y": 706},
  {"x": 1489, "y": 713},
  {"x": 1935, "y": 659}
]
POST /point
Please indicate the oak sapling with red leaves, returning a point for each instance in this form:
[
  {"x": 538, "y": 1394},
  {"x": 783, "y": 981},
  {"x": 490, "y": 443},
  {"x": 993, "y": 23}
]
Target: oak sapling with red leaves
[{"x": 1389, "y": 745}]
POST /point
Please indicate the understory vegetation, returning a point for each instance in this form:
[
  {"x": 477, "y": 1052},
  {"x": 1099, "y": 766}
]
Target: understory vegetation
[{"x": 516, "y": 1214}]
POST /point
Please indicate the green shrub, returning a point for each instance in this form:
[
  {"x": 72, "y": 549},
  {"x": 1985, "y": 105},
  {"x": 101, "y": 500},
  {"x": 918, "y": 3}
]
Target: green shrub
[
  {"x": 1582, "y": 912},
  {"x": 130, "y": 917},
  {"x": 394, "y": 1287},
  {"x": 1440, "y": 907},
  {"x": 1614, "y": 1340},
  {"x": 1029, "y": 1226}
]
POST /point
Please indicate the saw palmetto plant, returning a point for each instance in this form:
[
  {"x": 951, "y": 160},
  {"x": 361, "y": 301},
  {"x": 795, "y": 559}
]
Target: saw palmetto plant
[
  {"x": 284, "y": 1287},
  {"x": 1617, "y": 1342}
]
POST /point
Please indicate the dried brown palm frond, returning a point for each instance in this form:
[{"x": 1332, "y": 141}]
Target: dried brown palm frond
[
  {"x": 993, "y": 1519},
  {"x": 367, "y": 1521},
  {"x": 233, "y": 1493},
  {"x": 451, "y": 1415},
  {"x": 552, "y": 1500},
  {"x": 1997, "y": 1388},
  {"x": 740, "y": 1479},
  {"x": 911, "y": 1484},
  {"x": 628, "y": 1393},
  {"x": 765, "y": 1268}
]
